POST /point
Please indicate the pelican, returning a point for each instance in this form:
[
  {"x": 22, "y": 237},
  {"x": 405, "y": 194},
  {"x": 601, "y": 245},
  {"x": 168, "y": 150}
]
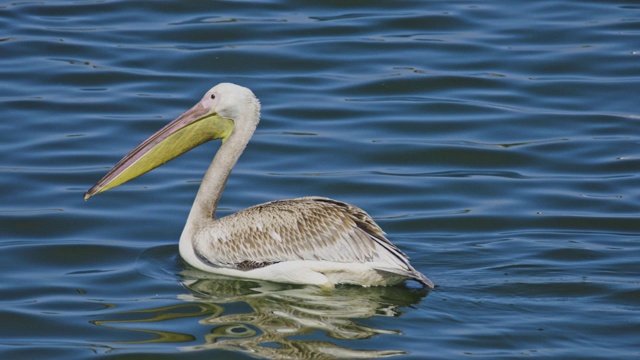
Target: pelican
[{"x": 309, "y": 240}]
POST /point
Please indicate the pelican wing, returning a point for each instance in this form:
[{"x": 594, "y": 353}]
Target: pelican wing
[{"x": 310, "y": 228}]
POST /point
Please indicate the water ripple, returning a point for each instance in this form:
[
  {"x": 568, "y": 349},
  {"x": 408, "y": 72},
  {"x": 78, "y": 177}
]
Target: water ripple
[{"x": 496, "y": 143}]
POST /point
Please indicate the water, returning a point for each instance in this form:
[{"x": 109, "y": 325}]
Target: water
[{"x": 496, "y": 143}]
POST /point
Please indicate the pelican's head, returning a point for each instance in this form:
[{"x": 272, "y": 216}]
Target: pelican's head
[
  {"x": 215, "y": 116},
  {"x": 233, "y": 101}
]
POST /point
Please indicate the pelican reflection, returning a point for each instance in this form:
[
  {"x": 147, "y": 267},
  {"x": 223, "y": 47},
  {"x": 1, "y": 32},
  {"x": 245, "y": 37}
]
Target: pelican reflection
[
  {"x": 271, "y": 320},
  {"x": 289, "y": 321}
]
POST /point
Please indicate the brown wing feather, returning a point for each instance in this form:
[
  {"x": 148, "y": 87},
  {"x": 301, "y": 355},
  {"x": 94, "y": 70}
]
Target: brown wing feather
[{"x": 310, "y": 228}]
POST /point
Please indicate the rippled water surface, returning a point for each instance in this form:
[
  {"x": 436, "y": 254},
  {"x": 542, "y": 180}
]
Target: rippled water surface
[{"x": 497, "y": 143}]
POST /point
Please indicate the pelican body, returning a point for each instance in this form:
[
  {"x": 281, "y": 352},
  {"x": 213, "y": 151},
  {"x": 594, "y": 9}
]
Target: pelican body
[{"x": 309, "y": 240}]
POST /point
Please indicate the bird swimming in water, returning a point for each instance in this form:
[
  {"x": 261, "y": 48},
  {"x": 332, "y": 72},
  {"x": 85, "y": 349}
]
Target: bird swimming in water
[{"x": 308, "y": 240}]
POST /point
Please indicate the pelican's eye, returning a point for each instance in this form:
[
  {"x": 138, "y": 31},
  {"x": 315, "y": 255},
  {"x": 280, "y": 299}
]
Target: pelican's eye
[{"x": 213, "y": 96}]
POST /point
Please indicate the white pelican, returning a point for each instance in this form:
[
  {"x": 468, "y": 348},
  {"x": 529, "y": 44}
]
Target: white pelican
[{"x": 309, "y": 240}]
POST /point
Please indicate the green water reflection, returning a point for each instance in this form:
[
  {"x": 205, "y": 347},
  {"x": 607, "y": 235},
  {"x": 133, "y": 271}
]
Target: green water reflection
[{"x": 271, "y": 320}]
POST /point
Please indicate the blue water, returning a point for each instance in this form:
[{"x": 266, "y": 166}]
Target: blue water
[{"x": 497, "y": 143}]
